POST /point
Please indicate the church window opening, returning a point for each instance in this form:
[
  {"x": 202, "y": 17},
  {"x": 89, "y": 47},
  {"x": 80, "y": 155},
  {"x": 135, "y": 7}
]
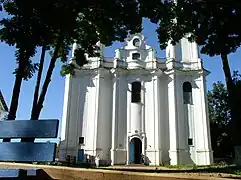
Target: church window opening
[
  {"x": 187, "y": 93},
  {"x": 136, "y": 56},
  {"x": 136, "y": 42},
  {"x": 136, "y": 92},
  {"x": 190, "y": 141},
  {"x": 81, "y": 140}
]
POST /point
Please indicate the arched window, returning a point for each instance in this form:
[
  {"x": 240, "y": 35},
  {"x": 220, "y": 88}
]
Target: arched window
[
  {"x": 136, "y": 92},
  {"x": 136, "y": 56},
  {"x": 187, "y": 93}
]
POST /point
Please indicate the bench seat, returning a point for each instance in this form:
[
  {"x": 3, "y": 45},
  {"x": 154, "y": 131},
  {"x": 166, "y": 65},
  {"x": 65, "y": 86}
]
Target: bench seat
[{"x": 26, "y": 151}]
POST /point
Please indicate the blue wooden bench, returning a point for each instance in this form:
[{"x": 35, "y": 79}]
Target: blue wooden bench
[{"x": 26, "y": 151}]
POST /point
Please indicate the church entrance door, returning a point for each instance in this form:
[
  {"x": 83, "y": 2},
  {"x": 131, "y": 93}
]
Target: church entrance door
[{"x": 135, "y": 151}]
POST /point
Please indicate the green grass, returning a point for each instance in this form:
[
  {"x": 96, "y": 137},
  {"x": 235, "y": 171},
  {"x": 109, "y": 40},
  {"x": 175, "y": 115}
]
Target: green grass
[{"x": 215, "y": 168}]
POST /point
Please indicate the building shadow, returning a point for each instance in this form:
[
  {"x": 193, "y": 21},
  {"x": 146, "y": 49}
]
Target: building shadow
[{"x": 227, "y": 170}]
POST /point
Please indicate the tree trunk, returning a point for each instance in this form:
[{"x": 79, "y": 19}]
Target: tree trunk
[
  {"x": 36, "y": 91},
  {"x": 37, "y": 85},
  {"x": 232, "y": 104},
  {"x": 48, "y": 78},
  {"x": 228, "y": 78},
  {"x": 230, "y": 85},
  {"x": 16, "y": 91}
]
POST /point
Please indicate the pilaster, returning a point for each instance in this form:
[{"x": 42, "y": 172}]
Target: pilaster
[
  {"x": 156, "y": 120},
  {"x": 65, "y": 120},
  {"x": 66, "y": 107},
  {"x": 114, "y": 117},
  {"x": 203, "y": 147},
  {"x": 173, "y": 118}
]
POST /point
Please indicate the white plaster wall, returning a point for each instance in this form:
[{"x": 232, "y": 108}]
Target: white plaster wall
[
  {"x": 157, "y": 129},
  {"x": 151, "y": 145},
  {"x": 164, "y": 123},
  {"x": 204, "y": 154},
  {"x": 104, "y": 117},
  {"x": 65, "y": 123},
  {"x": 114, "y": 123},
  {"x": 185, "y": 123},
  {"x": 178, "y": 52},
  {"x": 173, "y": 119},
  {"x": 66, "y": 107},
  {"x": 186, "y": 50},
  {"x": 84, "y": 82},
  {"x": 192, "y": 123},
  {"x": 136, "y": 117},
  {"x": 121, "y": 133},
  {"x": 74, "y": 101},
  {"x": 166, "y": 126},
  {"x": 72, "y": 118},
  {"x": 92, "y": 116}
]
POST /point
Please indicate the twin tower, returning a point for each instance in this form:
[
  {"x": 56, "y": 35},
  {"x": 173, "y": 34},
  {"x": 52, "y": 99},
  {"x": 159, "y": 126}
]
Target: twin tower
[{"x": 136, "y": 105}]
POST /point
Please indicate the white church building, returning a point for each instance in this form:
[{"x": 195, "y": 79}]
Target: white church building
[{"x": 137, "y": 105}]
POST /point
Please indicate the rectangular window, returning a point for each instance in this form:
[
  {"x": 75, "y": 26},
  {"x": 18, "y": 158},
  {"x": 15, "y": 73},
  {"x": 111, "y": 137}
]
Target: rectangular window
[
  {"x": 136, "y": 92},
  {"x": 187, "y": 97},
  {"x": 136, "y": 97},
  {"x": 81, "y": 140},
  {"x": 136, "y": 56},
  {"x": 190, "y": 141}
]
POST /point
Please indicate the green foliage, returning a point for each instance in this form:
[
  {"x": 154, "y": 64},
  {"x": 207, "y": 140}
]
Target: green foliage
[
  {"x": 67, "y": 69},
  {"x": 220, "y": 117},
  {"x": 38, "y": 23},
  {"x": 212, "y": 24},
  {"x": 218, "y": 104},
  {"x": 56, "y": 24}
]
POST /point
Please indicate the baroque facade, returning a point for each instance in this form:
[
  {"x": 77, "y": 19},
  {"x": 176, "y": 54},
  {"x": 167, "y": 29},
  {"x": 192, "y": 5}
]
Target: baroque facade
[{"x": 136, "y": 104}]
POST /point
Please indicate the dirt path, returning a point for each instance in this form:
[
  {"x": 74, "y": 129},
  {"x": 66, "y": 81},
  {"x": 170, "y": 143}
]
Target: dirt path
[{"x": 61, "y": 172}]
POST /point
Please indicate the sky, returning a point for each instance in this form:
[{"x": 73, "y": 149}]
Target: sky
[{"x": 54, "y": 100}]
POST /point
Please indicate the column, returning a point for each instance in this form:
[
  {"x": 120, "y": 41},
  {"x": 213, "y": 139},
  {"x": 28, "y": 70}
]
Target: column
[
  {"x": 65, "y": 119},
  {"x": 173, "y": 130},
  {"x": 157, "y": 119},
  {"x": 128, "y": 123},
  {"x": 127, "y": 151},
  {"x": 204, "y": 152},
  {"x": 195, "y": 51},
  {"x": 114, "y": 117}
]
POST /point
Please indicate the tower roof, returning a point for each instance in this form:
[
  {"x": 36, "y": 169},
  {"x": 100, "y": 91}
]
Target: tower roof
[{"x": 2, "y": 101}]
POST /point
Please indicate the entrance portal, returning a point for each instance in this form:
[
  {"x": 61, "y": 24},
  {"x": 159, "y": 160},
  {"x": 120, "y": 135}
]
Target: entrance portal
[{"x": 135, "y": 151}]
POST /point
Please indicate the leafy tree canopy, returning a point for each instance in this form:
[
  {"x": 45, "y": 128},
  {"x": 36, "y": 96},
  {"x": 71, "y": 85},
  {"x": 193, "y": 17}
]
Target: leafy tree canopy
[
  {"x": 54, "y": 25},
  {"x": 212, "y": 24},
  {"x": 45, "y": 22},
  {"x": 220, "y": 118}
]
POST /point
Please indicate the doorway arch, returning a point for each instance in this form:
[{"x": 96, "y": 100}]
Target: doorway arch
[{"x": 135, "y": 151}]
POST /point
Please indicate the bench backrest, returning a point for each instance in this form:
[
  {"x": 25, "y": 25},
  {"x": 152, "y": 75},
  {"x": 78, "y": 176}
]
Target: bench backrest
[{"x": 28, "y": 151}]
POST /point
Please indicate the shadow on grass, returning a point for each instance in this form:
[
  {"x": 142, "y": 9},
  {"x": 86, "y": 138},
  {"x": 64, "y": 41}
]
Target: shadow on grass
[{"x": 227, "y": 170}]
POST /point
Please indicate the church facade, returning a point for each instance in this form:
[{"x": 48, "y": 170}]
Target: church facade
[{"x": 136, "y": 105}]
